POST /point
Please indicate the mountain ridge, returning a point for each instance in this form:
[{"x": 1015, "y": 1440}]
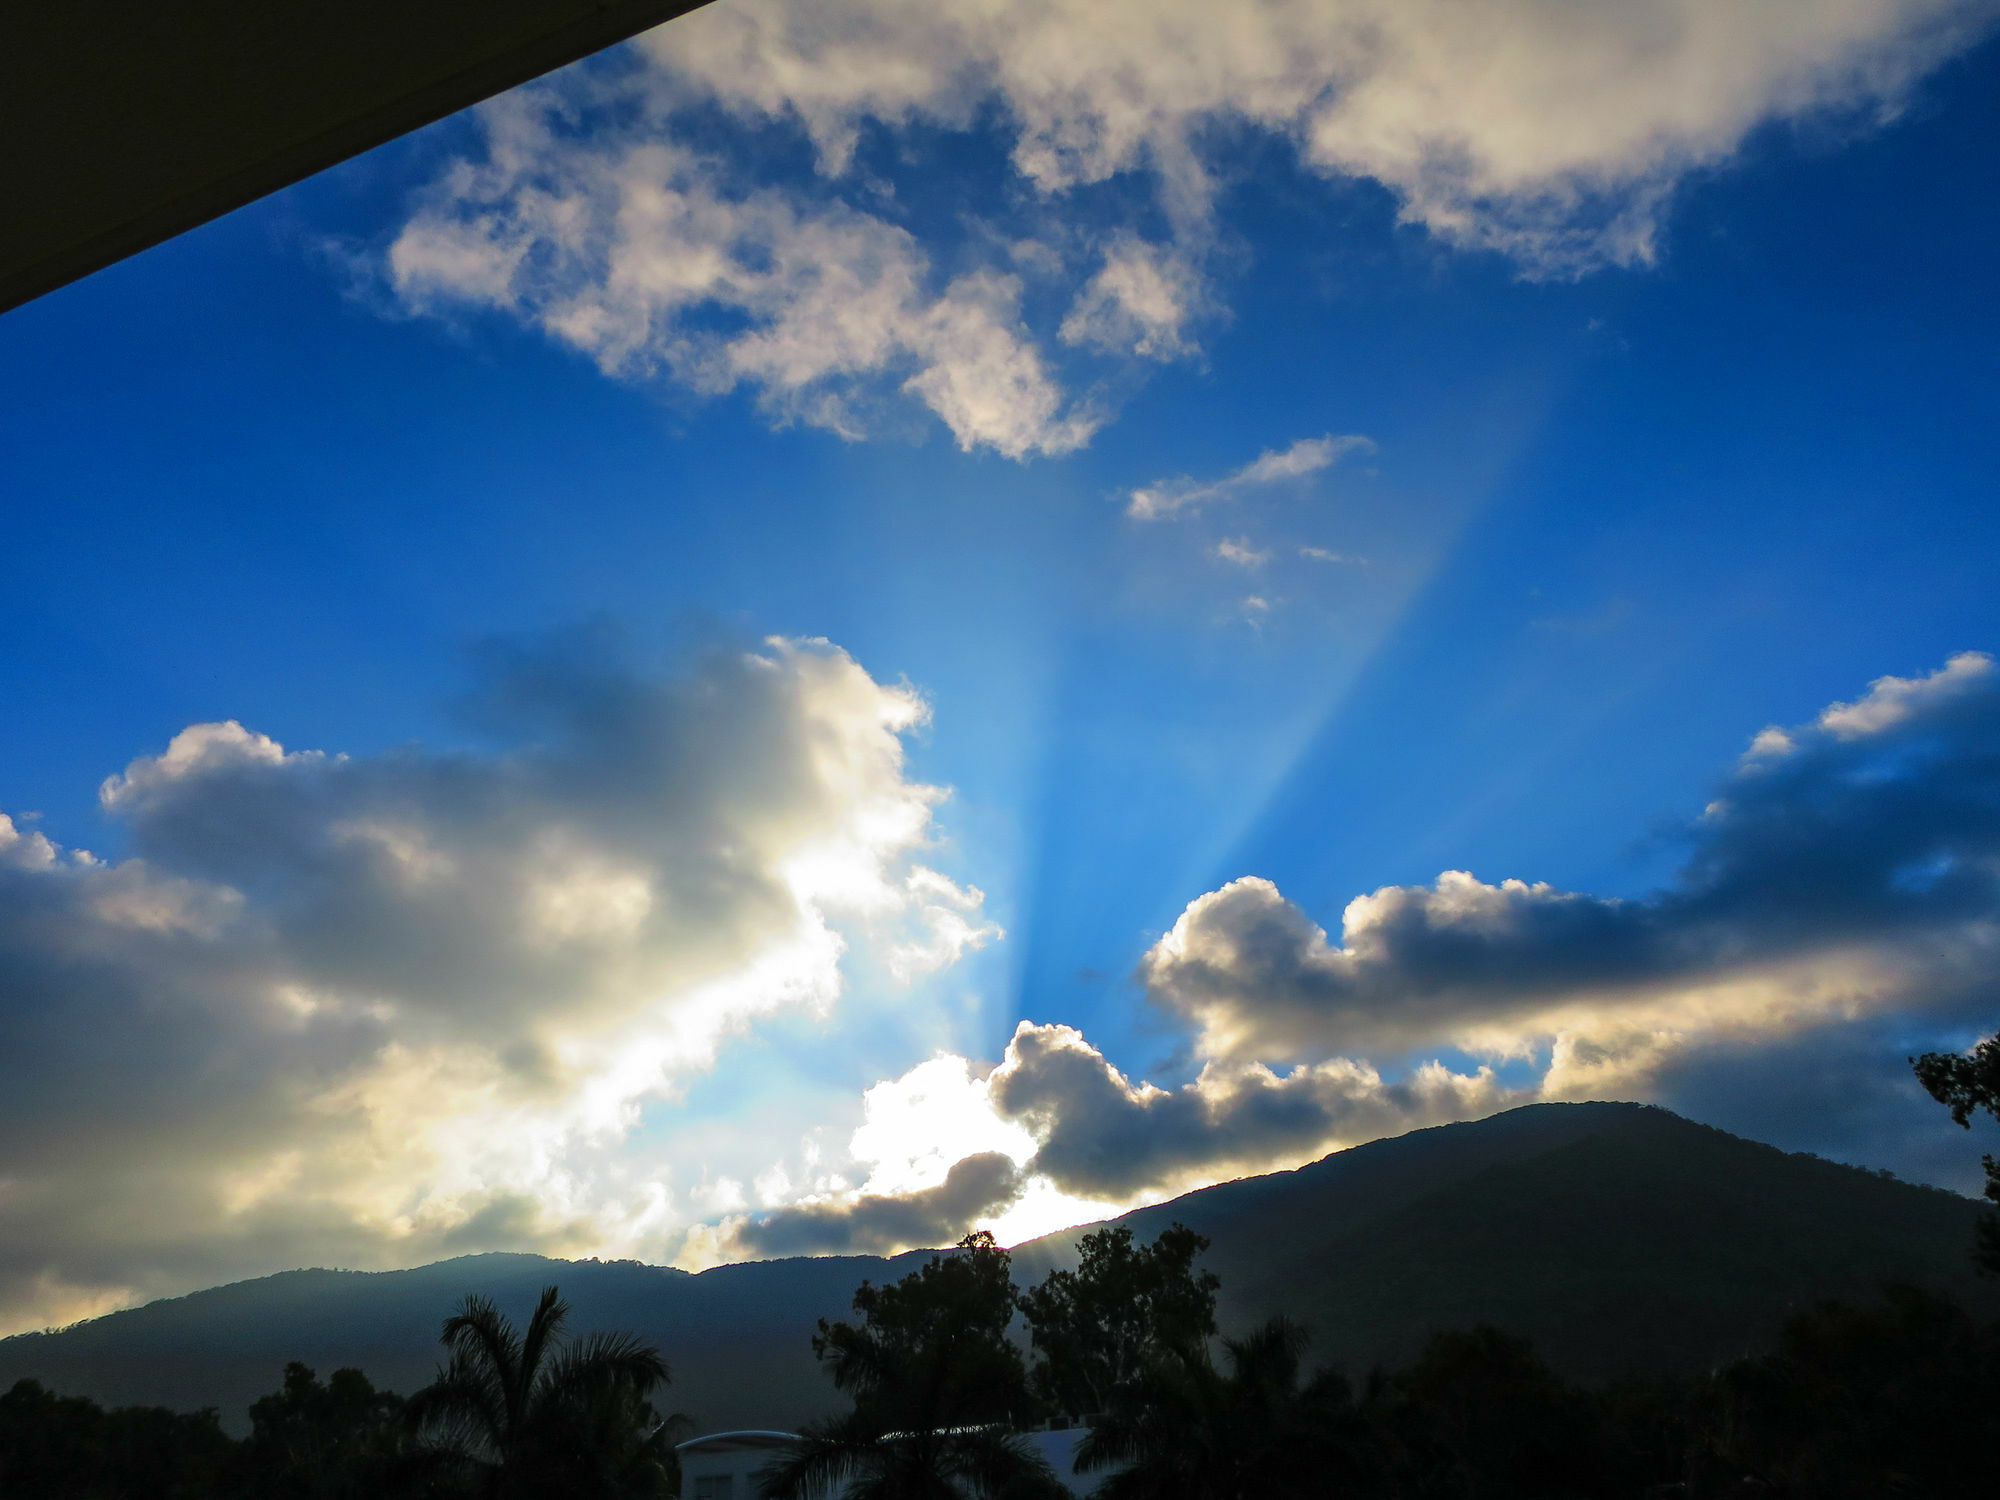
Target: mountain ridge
[{"x": 1621, "y": 1237}]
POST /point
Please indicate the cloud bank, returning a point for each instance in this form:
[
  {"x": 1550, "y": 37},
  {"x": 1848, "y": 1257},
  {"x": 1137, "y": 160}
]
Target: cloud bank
[
  {"x": 371, "y": 1010},
  {"x": 632, "y": 209},
  {"x": 1842, "y": 888},
  {"x": 1848, "y": 865}
]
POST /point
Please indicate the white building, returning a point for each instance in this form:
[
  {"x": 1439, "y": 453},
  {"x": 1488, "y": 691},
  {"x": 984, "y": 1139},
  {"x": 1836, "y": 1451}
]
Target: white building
[{"x": 724, "y": 1465}]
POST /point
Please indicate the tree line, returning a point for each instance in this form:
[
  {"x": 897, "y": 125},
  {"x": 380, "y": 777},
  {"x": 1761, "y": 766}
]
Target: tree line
[
  {"x": 1901, "y": 1397},
  {"x": 1898, "y": 1398},
  {"x": 513, "y": 1413}
]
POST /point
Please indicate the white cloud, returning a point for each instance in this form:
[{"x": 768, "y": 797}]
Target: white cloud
[
  {"x": 1549, "y": 133},
  {"x": 1140, "y": 302},
  {"x": 372, "y": 1010},
  {"x": 1890, "y": 701},
  {"x": 1242, "y": 552},
  {"x": 916, "y": 1126},
  {"x": 1530, "y": 126},
  {"x": 936, "y": 1160},
  {"x": 1851, "y": 867},
  {"x": 636, "y": 253},
  {"x": 25, "y": 851},
  {"x": 1167, "y": 498}
]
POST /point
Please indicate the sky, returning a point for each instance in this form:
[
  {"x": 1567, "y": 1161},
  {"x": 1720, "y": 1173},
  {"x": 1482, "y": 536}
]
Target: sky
[{"x": 859, "y": 620}]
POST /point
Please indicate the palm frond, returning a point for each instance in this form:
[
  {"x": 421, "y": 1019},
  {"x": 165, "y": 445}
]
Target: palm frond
[
  {"x": 463, "y": 1408},
  {"x": 1000, "y": 1465},
  {"x": 480, "y": 1338},
  {"x": 822, "y": 1461},
  {"x": 1266, "y": 1361},
  {"x": 603, "y": 1361},
  {"x": 545, "y": 1327}
]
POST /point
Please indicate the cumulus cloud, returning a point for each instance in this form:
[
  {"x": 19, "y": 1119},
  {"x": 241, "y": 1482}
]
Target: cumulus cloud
[
  {"x": 1843, "y": 886},
  {"x": 1552, "y": 135},
  {"x": 1849, "y": 866},
  {"x": 1055, "y": 1135},
  {"x": 1166, "y": 498},
  {"x": 1100, "y": 1135},
  {"x": 365, "y": 1010}
]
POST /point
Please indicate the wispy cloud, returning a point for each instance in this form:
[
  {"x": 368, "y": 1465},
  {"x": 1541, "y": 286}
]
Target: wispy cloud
[
  {"x": 1242, "y": 552},
  {"x": 1328, "y": 555},
  {"x": 1166, "y": 498}
]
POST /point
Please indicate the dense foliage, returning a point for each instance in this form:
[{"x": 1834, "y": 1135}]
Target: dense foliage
[
  {"x": 526, "y": 1413},
  {"x": 1966, "y": 1083},
  {"x": 1091, "y": 1328},
  {"x": 937, "y": 1386},
  {"x": 1897, "y": 1398}
]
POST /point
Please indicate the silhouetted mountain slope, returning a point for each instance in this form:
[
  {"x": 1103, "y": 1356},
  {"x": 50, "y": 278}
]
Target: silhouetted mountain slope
[
  {"x": 735, "y": 1337},
  {"x": 1619, "y": 1237},
  {"x": 1248, "y": 1219},
  {"x": 1651, "y": 1243}
]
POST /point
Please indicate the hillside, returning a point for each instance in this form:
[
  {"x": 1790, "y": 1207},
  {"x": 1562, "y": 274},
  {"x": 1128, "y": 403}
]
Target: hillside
[{"x": 1621, "y": 1238}]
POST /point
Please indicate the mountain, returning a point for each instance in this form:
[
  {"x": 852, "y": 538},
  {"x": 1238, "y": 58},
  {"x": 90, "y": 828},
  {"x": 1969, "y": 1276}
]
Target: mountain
[{"x": 1621, "y": 1238}]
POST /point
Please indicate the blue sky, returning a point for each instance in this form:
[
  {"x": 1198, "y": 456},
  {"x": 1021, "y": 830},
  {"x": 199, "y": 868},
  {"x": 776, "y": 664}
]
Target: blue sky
[{"x": 1672, "y": 358}]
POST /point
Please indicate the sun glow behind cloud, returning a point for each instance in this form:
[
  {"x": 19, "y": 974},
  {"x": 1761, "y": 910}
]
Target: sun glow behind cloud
[{"x": 428, "y": 996}]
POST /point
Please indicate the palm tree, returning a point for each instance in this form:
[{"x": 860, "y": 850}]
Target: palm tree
[
  {"x": 530, "y": 1413},
  {"x": 1185, "y": 1430}
]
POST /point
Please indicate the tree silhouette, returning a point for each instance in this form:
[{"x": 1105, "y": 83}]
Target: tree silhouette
[
  {"x": 529, "y": 1413},
  {"x": 1898, "y": 1398},
  {"x": 343, "y": 1439},
  {"x": 69, "y": 1448},
  {"x": 1479, "y": 1414},
  {"x": 1965, "y": 1084},
  {"x": 935, "y": 1380},
  {"x": 1183, "y": 1429},
  {"x": 1092, "y": 1327}
]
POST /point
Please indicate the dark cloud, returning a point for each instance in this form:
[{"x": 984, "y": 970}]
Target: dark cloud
[
  {"x": 1101, "y": 1136},
  {"x": 1843, "y": 1090},
  {"x": 976, "y": 1187},
  {"x": 1865, "y": 844}
]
